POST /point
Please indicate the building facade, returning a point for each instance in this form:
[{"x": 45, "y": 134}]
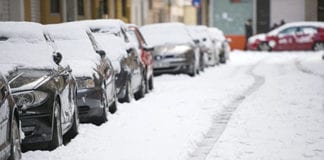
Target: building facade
[{"x": 230, "y": 15}]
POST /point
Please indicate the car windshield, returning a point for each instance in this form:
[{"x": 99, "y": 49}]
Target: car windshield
[{"x": 22, "y": 76}]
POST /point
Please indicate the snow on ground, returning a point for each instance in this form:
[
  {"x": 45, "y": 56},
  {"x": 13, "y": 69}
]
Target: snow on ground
[{"x": 283, "y": 119}]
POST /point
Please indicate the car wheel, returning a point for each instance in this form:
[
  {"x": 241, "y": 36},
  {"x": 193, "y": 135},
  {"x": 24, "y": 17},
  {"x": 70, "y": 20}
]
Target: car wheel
[
  {"x": 264, "y": 46},
  {"x": 113, "y": 107},
  {"x": 57, "y": 138},
  {"x": 141, "y": 92},
  {"x": 192, "y": 71},
  {"x": 104, "y": 116},
  {"x": 222, "y": 59},
  {"x": 151, "y": 86},
  {"x": 318, "y": 46},
  {"x": 74, "y": 130},
  {"x": 128, "y": 95},
  {"x": 15, "y": 153}
]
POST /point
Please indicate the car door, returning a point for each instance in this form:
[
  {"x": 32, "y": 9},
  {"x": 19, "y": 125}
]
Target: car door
[
  {"x": 304, "y": 37},
  {"x": 286, "y": 39},
  {"x": 134, "y": 61},
  {"x": 67, "y": 92},
  {"x": 4, "y": 114}
]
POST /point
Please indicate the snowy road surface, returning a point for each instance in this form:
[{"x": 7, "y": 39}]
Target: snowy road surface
[{"x": 258, "y": 106}]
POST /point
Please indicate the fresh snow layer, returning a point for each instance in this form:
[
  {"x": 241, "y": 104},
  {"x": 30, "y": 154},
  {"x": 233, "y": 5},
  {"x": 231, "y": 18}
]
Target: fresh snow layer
[{"x": 283, "y": 119}]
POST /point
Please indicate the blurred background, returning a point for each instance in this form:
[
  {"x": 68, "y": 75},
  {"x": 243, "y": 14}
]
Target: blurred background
[{"x": 228, "y": 15}]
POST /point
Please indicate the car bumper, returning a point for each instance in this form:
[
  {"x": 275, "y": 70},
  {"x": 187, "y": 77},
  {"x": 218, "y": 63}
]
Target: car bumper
[
  {"x": 89, "y": 103},
  {"x": 171, "y": 65},
  {"x": 37, "y": 128}
]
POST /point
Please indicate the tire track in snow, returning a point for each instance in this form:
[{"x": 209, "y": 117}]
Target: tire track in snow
[
  {"x": 222, "y": 118},
  {"x": 303, "y": 69}
]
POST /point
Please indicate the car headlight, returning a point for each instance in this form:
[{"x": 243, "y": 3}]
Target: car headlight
[
  {"x": 30, "y": 98},
  {"x": 86, "y": 83}
]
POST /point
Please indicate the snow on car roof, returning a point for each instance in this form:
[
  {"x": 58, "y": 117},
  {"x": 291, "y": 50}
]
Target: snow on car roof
[
  {"x": 293, "y": 24},
  {"x": 73, "y": 42},
  {"x": 104, "y": 25},
  {"x": 166, "y": 33},
  {"x": 216, "y": 33},
  {"x": 23, "y": 44}
]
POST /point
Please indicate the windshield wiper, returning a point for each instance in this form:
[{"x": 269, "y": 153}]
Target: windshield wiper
[{"x": 13, "y": 79}]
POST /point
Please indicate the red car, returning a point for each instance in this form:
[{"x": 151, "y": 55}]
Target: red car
[
  {"x": 291, "y": 36},
  {"x": 146, "y": 54}
]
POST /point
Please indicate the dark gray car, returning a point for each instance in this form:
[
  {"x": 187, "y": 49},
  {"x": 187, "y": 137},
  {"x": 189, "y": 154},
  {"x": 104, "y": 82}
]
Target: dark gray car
[
  {"x": 174, "y": 49},
  {"x": 43, "y": 88},
  {"x": 92, "y": 69},
  {"x": 9, "y": 124}
]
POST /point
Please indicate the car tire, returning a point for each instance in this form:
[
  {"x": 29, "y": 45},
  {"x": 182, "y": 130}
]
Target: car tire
[
  {"x": 150, "y": 83},
  {"x": 74, "y": 130},
  {"x": 264, "y": 46},
  {"x": 222, "y": 58},
  {"x": 15, "y": 152},
  {"x": 141, "y": 92},
  {"x": 318, "y": 46},
  {"x": 128, "y": 95},
  {"x": 57, "y": 138},
  {"x": 104, "y": 116},
  {"x": 113, "y": 107}
]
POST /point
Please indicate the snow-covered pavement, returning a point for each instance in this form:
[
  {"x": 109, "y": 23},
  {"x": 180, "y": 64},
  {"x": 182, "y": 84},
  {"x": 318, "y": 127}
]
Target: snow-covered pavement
[{"x": 258, "y": 106}]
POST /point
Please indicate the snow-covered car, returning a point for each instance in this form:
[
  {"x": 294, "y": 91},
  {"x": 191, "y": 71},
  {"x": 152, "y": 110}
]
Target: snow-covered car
[
  {"x": 291, "y": 36},
  {"x": 174, "y": 49},
  {"x": 9, "y": 123},
  {"x": 145, "y": 53},
  {"x": 91, "y": 67},
  {"x": 221, "y": 44},
  {"x": 41, "y": 83},
  {"x": 113, "y": 37},
  {"x": 208, "y": 54}
]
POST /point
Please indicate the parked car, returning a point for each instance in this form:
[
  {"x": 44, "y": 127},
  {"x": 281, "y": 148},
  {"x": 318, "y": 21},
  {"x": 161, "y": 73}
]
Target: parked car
[
  {"x": 174, "y": 49},
  {"x": 42, "y": 85},
  {"x": 145, "y": 53},
  {"x": 221, "y": 44},
  {"x": 208, "y": 54},
  {"x": 113, "y": 37},
  {"x": 291, "y": 36},
  {"x": 9, "y": 123},
  {"x": 92, "y": 69}
]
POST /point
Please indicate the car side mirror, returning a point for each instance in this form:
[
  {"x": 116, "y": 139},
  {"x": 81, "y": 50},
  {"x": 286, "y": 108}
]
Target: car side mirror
[
  {"x": 57, "y": 57},
  {"x": 148, "y": 49},
  {"x": 102, "y": 53},
  {"x": 129, "y": 50},
  {"x": 196, "y": 41}
]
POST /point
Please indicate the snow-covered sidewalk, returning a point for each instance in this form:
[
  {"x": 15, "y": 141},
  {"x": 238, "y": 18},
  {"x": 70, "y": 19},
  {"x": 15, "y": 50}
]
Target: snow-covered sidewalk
[{"x": 281, "y": 119}]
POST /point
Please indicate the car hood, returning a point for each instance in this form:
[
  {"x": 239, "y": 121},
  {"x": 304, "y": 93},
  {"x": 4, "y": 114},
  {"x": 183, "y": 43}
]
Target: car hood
[{"x": 171, "y": 49}]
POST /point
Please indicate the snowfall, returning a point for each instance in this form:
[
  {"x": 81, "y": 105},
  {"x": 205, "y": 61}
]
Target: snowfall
[{"x": 258, "y": 106}]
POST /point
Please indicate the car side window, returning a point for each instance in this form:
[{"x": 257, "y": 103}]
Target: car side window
[
  {"x": 134, "y": 38},
  {"x": 309, "y": 30},
  {"x": 288, "y": 31}
]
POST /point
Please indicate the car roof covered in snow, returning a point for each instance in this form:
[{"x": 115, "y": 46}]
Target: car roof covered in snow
[
  {"x": 23, "y": 44},
  {"x": 76, "y": 47},
  {"x": 295, "y": 24},
  {"x": 216, "y": 34},
  {"x": 104, "y": 25},
  {"x": 166, "y": 33}
]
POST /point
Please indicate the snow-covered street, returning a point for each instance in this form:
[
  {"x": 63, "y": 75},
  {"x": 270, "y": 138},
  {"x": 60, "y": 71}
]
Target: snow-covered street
[{"x": 258, "y": 106}]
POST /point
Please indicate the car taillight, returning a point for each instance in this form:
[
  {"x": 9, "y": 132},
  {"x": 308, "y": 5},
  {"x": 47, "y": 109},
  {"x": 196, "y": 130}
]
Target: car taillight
[{"x": 320, "y": 30}]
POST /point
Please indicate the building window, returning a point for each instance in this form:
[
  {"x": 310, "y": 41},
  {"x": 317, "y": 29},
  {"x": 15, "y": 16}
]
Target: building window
[
  {"x": 105, "y": 7},
  {"x": 124, "y": 8},
  {"x": 55, "y": 6},
  {"x": 81, "y": 7}
]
